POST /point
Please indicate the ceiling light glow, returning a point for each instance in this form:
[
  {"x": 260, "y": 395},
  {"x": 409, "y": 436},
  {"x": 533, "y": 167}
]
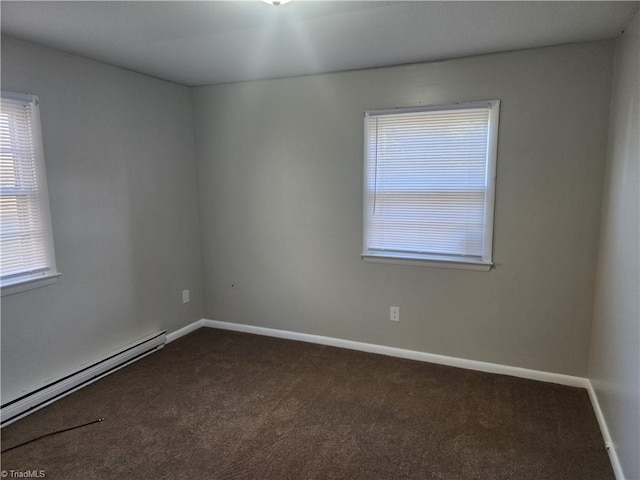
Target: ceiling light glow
[{"x": 276, "y": 3}]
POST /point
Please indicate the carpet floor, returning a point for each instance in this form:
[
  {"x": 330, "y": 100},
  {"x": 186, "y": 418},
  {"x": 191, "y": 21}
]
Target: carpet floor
[{"x": 225, "y": 405}]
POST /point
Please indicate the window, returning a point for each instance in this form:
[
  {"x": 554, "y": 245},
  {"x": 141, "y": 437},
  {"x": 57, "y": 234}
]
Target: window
[
  {"x": 430, "y": 184},
  {"x": 26, "y": 254}
]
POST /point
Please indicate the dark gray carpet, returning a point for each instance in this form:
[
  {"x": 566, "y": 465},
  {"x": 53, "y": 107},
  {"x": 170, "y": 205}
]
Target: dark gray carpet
[{"x": 222, "y": 405}]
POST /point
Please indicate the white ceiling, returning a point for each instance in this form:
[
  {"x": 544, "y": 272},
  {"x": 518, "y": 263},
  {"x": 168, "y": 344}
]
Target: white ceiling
[{"x": 208, "y": 42}]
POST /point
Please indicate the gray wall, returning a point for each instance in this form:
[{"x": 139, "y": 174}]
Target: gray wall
[
  {"x": 615, "y": 349},
  {"x": 119, "y": 158},
  {"x": 280, "y": 193}
]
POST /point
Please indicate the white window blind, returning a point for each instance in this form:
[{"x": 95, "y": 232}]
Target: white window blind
[
  {"x": 429, "y": 183},
  {"x": 26, "y": 250}
]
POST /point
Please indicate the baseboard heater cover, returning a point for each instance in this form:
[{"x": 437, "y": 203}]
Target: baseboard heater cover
[{"x": 49, "y": 393}]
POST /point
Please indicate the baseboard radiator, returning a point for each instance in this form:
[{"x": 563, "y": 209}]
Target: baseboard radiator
[{"x": 55, "y": 390}]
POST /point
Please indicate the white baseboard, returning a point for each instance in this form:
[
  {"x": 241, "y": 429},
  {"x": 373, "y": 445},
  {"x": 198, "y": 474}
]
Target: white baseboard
[
  {"x": 441, "y": 360},
  {"x": 613, "y": 456},
  {"x": 402, "y": 353},
  {"x": 184, "y": 330},
  {"x": 39, "y": 400}
]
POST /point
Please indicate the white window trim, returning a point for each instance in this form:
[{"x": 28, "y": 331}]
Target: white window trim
[
  {"x": 36, "y": 280},
  {"x": 26, "y": 284},
  {"x": 429, "y": 260}
]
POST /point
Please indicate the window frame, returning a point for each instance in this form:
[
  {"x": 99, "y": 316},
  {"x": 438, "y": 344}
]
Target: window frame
[
  {"x": 435, "y": 260},
  {"x": 29, "y": 281}
]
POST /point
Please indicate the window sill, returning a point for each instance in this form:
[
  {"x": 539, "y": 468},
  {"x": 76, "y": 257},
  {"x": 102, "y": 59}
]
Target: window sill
[
  {"x": 29, "y": 284},
  {"x": 428, "y": 262}
]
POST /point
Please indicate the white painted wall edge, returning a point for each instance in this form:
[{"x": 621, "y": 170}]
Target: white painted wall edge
[
  {"x": 613, "y": 456},
  {"x": 402, "y": 353}
]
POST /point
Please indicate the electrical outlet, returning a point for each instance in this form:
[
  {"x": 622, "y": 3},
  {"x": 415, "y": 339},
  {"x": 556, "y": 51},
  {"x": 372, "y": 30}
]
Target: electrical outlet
[
  {"x": 185, "y": 296},
  {"x": 394, "y": 314}
]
